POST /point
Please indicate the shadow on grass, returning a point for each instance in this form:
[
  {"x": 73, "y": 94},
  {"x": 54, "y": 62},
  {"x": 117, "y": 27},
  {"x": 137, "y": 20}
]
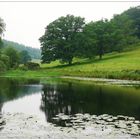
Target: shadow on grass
[{"x": 87, "y": 61}]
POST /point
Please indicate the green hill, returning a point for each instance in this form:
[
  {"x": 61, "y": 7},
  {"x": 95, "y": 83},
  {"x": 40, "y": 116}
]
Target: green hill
[
  {"x": 125, "y": 65},
  {"x": 33, "y": 52}
]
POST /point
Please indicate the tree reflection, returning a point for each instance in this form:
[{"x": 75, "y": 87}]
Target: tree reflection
[
  {"x": 69, "y": 100},
  {"x": 16, "y": 88},
  {"x": 53, "y": 102},
  {"x": 72, "y": 98}
]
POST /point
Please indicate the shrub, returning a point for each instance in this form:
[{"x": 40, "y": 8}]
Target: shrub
[
  {"x": 23, "y": 67},
  {"x": 32, "y": 65}
]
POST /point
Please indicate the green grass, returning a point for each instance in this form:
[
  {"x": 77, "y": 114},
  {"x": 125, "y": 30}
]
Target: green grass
[{"x": 125, "y": 65}]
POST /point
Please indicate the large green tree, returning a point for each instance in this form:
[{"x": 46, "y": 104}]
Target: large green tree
[
  {"x": 59, "y": 40},
  {"x": 86, "y": 42},
  {"x": 98, "y": 36}
]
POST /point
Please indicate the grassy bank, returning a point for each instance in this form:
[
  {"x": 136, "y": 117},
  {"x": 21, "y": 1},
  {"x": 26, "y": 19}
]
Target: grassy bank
[{"x": 125, "y": 65}]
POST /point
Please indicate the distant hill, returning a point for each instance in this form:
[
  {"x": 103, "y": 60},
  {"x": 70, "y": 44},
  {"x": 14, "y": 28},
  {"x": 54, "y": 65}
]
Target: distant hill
[{"x": 33, "y": 52}]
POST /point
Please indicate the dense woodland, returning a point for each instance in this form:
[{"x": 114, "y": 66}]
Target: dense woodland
[{"x": 68, "y": 37}]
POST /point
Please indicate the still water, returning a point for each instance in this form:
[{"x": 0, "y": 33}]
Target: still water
[{"x": 69, "y": 97}]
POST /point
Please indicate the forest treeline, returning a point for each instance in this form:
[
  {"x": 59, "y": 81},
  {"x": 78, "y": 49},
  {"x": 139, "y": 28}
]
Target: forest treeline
[
  {"x": 13, "y": 54},
  {"x": 35, "y": 53},
  {"x": 68, "y": 37}
]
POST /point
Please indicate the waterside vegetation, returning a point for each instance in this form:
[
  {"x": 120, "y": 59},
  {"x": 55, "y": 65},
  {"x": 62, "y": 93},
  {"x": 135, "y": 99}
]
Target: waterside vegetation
[{"x": 123, "y": 65}]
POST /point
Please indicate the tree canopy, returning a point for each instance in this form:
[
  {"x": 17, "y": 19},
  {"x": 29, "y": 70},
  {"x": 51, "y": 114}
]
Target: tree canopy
[
  {"x": 134, "y": 15},
  {"x": 59, "y": 40}
]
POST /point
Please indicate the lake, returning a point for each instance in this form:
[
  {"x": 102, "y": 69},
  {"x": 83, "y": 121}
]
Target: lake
[{"x": 46, "y": 98}]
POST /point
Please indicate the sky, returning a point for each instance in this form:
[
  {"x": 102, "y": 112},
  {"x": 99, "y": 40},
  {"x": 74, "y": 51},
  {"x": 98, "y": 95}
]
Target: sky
[{"x": 26, "y": 21}]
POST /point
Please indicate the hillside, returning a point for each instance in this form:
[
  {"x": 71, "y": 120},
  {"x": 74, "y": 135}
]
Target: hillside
[
  {"x": 114, "y": 65},
  {"x": 33, "y": 52},
  {"x": 125, "y": 65}
]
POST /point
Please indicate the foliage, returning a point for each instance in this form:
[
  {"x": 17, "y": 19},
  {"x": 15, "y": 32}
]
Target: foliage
[
  {"x": 2, "y": 66},
  {"x": 123, "y": 33},
  {"x": 134, "y": 15},
  {"x": 24, "y": 57},
  {"x": 59, "y": 40},
  {"x": 107, "y": 36},
  {"x": 5, "y": 59},
  {"x": 99, "y": 34},
  {"x": 86, "y": 44},
  {"x": 13, "y": 56},
  {"x": 32, "y": 66},
  {"x": 23, "y": 67}
]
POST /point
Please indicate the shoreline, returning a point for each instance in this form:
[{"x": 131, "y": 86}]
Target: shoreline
[
  {"x": 111, "y": 81},
  {"x": 106, "y": 80}
]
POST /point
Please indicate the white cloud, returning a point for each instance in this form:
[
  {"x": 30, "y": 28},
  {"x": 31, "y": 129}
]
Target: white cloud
[{"x": 25, "y": 21}]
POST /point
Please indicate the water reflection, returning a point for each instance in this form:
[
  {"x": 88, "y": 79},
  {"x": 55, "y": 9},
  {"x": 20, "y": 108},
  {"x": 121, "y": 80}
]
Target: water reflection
[
  {"x": 76, "y": 98},
  {"x": 13, "y": 88},
  {"x": 31, "y": 97}
]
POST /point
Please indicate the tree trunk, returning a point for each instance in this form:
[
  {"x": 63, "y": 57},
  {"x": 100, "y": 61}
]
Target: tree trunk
[
  {"x": 100, "y": 56},
  {"x": 70, "y": 60},
  {"x": 100, "y": 52}
]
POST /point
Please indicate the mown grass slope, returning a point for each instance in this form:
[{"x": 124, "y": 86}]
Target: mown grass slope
[{"x": 125, "y": 65}]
